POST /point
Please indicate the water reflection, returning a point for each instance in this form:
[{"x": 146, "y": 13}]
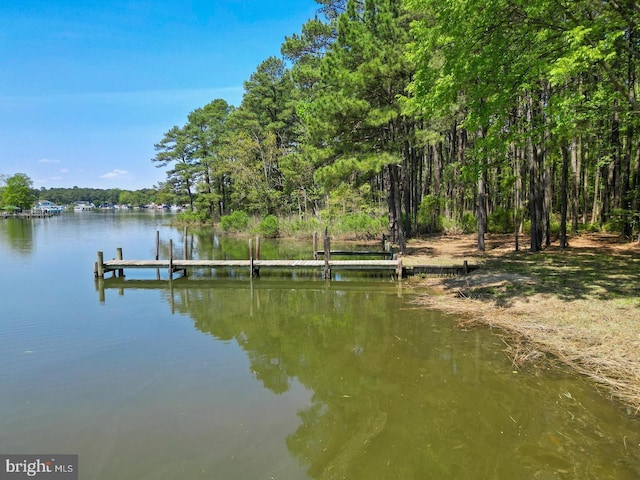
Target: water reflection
[
  {"x": 17, "y": 234},
  {"x": 400, "y": 392}
]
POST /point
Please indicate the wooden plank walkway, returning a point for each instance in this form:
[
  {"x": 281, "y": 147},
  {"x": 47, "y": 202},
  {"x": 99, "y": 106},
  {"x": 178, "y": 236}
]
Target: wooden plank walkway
[
  {"x": 110, "y": 265},
  {"x": 252, "y": 265}
]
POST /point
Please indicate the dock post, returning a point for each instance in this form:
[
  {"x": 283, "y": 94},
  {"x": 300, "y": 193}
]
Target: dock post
[
  {"x": 170, "y": 259},
  {"x": 184, "y": 250},
  {"x": 119, "y": 257},
  {"x": 399, "y": 272},
  {"x": 256, "y": 270},
  {"x": 100, "y": 265},
  {"x": 315, "y": 245},
  {"x": 184, "y": 244},
  {"x": 251, "y": 269},
  {"x": 327, "y": 255},
  {"x": 157, "y": 244},
  {"x": 465, "y": 267}
]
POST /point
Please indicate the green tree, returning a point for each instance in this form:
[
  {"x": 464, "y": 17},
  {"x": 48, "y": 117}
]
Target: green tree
[
  {"x": 263, "y": 131},
  {"x": 206, "y": 129},
  {"x": 18, "y": 191},
  {"x": 176, "y": 150},
  {"x": 357, "y": 120}
]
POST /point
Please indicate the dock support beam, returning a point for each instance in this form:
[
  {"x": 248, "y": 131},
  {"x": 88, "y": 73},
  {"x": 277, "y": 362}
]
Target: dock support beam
[
  {"x": 254, "y": 255},
  {"x": 327, "y": 255},
  {"x": 119, "y": 257},
  {"x": 170, "y": 259},
  {"x": 315, "y": 245},
  {"x": 100, "y": 265}
]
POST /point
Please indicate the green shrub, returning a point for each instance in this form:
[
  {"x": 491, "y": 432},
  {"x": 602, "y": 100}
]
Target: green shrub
[
  {"x": 235, "y": 222},
  {"x": 362, "y": 225},
  {"x": 268, "y": 227},
  {"x": 296, "y": 226},
  {"x": 618, "y": 218},
  {"x": 429, "y": 221},
  {"x": 469, "y": 223},
  {"x": 554, "y": 225},
  {"x": 192, "y": 217},
  {"x": 501, "y": 220}
]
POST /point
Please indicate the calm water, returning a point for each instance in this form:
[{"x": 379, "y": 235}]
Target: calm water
[{"x": 222, "y": 377}]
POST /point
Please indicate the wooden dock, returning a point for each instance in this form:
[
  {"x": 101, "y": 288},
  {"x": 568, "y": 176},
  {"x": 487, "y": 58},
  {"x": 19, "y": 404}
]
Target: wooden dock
[
  {"x": 251, "y": 265},
  {"x": 254, "y": 264}
]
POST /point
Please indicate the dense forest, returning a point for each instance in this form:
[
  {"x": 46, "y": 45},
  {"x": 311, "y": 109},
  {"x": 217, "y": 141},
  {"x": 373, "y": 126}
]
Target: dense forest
[{"x": 446, "y": 115}]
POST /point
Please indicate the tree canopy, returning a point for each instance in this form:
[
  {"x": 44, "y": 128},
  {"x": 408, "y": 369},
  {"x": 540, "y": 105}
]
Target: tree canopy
[
  {"x": 17, "y": 191},
  {"x": 452, "y": 115}
]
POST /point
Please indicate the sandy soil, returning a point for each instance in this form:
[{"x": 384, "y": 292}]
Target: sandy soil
[{"x": 579, "y": 306}]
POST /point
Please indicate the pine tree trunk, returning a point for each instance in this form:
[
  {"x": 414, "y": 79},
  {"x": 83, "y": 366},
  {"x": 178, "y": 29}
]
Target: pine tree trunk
[
  {"x": 393, "y": 203},
  {"x": 575, "y": 186},
  {"x": 627, "y": 228},
  {"x": 482, "y": 211},
  {"x": 564, "y": 180},
  {"x": 536, "y": 190}
]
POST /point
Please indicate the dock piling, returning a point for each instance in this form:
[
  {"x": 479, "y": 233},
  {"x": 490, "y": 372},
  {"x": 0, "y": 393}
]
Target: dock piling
[
  {"x": 100, "y": 265},
  {"x": 119, "y": 257},
  {"x": 255, "y": 272},
  {"x": 184, "y": 244},
  {"x": 327, "y": 255},
  {"x": 315, "y": 245},
  {"x": 170, "y": 259}
]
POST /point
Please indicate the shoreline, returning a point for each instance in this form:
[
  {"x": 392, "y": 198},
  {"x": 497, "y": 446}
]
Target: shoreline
[{"x": 579, "y": 306}]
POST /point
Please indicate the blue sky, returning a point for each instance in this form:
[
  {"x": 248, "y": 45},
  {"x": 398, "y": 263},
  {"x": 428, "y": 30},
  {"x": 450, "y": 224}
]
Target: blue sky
[{"x": 88, "y": 86}]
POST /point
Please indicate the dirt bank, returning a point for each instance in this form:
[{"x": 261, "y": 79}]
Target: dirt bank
[{"x": 580, "y": 306}]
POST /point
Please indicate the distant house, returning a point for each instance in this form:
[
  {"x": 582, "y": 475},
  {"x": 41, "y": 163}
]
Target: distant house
[
  {"x": 82, "y": 206},
  {"x": 47, "y": 207}
]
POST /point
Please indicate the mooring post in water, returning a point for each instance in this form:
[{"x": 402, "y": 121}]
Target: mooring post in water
[
  {"x": 399, "y": 271},
  {"x": 184, "y": 250},
  {"x": 100, "y": 265},
  {"x": 119, "y": 257},
  {"x": 184, "y": 244},
  {"x": 327, "y": 255},
  {"x": 170, "y": 259},
  {"x": 315, "y": 245},
  {"x": 251, "y": 268},
  {"x": 256, "y": 270},
  {"x": 465, "y": 267},
  {"x": 157, "y": 244}
]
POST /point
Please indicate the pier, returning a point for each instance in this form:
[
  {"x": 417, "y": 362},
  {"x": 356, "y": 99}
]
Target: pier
[{"x": 391, "y": 263}]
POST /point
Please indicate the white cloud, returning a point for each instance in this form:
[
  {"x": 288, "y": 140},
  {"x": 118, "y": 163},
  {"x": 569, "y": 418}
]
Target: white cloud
[
  {"x": 47, "y": 160},
  {"x": 117, "y": 173}
]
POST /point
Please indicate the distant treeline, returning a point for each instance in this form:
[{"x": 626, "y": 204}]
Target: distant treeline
[{"x": 97, "y": 196}]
